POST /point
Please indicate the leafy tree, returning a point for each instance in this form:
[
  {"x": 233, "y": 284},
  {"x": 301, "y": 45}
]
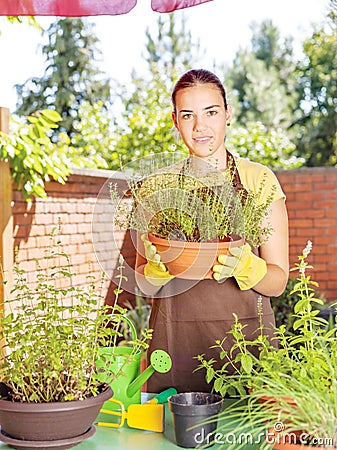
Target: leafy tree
[
  {"x": 317, "y": 85},
  {"x": 266, "y": 68},
  {"x": 70, "y": 79},
  {"x": 146, "y": 124},
  {"x": 271, "y": 147},
  {"x": 94, "y": 137}
]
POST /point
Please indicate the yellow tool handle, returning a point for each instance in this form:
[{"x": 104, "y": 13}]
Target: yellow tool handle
[{"x": 122, "y": 414}]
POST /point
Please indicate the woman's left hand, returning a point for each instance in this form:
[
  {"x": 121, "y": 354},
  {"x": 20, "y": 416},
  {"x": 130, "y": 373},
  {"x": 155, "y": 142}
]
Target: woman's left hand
[{"x": 242, "y": 264}]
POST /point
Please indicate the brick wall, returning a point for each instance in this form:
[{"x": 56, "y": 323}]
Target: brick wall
[
  {"x": 312, "y": 209},
  {"x": 83, "y": 208}
]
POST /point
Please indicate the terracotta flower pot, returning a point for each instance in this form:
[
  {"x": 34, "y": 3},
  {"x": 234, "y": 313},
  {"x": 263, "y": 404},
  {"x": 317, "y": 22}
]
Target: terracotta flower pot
[
  {"x": 192, "y": 260},
  {"x": 271, "y": 400},
  {"x": 61, "y": 424}
]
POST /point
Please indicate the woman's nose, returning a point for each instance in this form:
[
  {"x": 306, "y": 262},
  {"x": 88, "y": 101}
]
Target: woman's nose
[{"x": 199, "y": 124}]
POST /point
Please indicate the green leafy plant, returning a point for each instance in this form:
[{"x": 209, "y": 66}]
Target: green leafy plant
[
  {"x": 33, "y": 157},
  {"x": 197, "y": 204},
  {"x": 283, "y": 305},
  {"x": 293, "y": 384},
  {"x": 51, "y": 336}
]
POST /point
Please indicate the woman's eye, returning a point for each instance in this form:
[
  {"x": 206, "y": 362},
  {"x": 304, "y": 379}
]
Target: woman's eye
[
  {"x": 187, "y": 116},
  {"x": 212, "y": 112}
]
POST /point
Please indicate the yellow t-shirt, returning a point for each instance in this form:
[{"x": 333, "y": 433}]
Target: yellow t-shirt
[{"x": 252, "y": 174}]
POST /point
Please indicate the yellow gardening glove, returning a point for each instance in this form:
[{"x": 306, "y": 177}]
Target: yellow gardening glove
[
  {"x": 155, "y": 271},
  {"x": 247, "y": 268}
]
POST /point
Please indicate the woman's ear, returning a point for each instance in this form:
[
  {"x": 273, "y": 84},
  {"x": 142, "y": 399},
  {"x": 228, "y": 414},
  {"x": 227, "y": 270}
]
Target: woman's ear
[
  {"x": 229, "y": 111},
  {"x": 174, "y": 118}
]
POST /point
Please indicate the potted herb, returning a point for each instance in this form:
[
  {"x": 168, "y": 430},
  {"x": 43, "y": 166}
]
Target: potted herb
[
  {"x": 191, "y": 208},
  {"x": 51, "y": 333},
  {"x": 287, "y": 393}
]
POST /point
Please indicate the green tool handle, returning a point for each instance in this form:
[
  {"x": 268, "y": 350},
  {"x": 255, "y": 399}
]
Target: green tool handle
[{"x": 163, "y": 396}]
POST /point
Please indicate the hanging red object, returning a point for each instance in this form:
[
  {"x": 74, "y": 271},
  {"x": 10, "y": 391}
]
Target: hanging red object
[{"x": 79, "y": 8}]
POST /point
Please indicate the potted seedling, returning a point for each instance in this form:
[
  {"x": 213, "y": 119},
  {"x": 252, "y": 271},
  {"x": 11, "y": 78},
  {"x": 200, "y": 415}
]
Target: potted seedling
[
  {"x": 287, "y": 393},
  {"x": 190, "y": 209},
  {"x": 51, "y": 333}
]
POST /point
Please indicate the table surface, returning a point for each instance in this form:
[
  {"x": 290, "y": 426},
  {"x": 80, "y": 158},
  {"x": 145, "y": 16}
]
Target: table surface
[{"x": 127, "y": 438}]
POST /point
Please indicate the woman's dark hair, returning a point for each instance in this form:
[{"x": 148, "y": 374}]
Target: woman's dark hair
[{"x": 193, "y": 78}]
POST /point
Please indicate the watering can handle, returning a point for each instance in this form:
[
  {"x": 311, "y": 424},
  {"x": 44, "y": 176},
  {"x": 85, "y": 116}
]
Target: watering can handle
[{"x": 131, "y": 325}]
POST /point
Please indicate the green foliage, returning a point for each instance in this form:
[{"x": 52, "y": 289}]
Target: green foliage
[
  {"x": 51, "y": 337},
  {"x": 146, "y": 125},
  {"x": 33, "y": 158},
  {"x": 256, "y": 73},
  {"x": 318, "y": 92},
  {"x": 195, "y": 204},
  {"x": 71, "y": 78},
  {"x": 297, "y": 345},
  {"x": 270, "y": 147},
  {"x": 93, "y": 137},
  {"x": 283, "y": 305},
  {"x": 294, "y": 383}
]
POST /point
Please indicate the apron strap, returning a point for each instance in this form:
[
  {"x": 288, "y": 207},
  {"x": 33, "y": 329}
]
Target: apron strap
[{"x": 236, "y": 180}]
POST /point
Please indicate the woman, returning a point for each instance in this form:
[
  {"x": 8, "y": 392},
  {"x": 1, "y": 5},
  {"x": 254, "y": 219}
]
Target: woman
[{"x": 186, "y": 317}]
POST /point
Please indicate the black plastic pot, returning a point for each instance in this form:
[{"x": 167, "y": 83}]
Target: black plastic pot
[
  {"x": 329, "y": 314},
  {"x": 191, "y": 411}
]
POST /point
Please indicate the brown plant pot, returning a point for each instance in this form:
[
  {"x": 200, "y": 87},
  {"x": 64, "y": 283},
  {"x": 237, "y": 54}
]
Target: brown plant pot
[
  {"x": 54, "y": 421},
  {"x": 271, "y": 400},
  {"x": 192, "y": 260}
]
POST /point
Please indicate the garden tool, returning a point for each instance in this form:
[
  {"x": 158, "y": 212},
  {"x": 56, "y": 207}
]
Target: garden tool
[
  {"x": 148, "y": 416},
  {"x": 127, "y": 386},
  {"x": 160, "y": 361},
  {"x": 163, "y": 396}
]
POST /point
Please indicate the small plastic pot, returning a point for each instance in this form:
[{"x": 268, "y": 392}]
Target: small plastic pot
[{"x": 190, "y": 412}]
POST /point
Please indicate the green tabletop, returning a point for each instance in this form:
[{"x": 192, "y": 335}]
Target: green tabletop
[{"x": 126, "y": 438}]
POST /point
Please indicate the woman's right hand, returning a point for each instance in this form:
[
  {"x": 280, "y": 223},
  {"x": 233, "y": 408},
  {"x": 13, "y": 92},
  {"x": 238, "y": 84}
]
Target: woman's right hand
[{"x": 155, "y": 271}]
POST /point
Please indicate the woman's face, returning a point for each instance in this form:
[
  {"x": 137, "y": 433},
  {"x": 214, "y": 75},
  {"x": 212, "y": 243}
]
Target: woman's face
[{"x": 201, "y": 119}]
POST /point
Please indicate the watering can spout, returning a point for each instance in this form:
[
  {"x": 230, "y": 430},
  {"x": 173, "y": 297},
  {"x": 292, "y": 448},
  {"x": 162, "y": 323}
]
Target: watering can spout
[
  {"x": 138, "y": 382},
  {"x": 160, "y": 362}
]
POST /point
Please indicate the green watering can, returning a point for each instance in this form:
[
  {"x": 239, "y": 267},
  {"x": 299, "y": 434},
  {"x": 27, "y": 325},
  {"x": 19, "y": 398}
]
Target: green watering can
[{"x": 127, "y": 386}]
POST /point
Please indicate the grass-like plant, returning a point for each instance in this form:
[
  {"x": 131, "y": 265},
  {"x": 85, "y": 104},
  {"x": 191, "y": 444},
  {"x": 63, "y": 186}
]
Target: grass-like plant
[{"x": 51, "y": 336}]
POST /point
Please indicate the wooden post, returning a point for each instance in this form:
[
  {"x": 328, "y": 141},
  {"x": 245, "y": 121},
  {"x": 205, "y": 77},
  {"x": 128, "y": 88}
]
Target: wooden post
[{"x": 6, "y": 218}]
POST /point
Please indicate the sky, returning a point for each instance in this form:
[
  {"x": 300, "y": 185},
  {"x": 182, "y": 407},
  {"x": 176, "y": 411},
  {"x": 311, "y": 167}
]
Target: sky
[{"x": 221, "y": 26}]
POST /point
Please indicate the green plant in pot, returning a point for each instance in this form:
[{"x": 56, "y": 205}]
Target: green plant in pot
[
  {"x": 51, "y": 333},
  {"x": 191, "y": 208},
  {"x": 288, "y": 393}
]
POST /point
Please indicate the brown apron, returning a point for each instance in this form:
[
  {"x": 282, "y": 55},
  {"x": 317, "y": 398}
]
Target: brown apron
[{"x": 188, "y": 324}]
